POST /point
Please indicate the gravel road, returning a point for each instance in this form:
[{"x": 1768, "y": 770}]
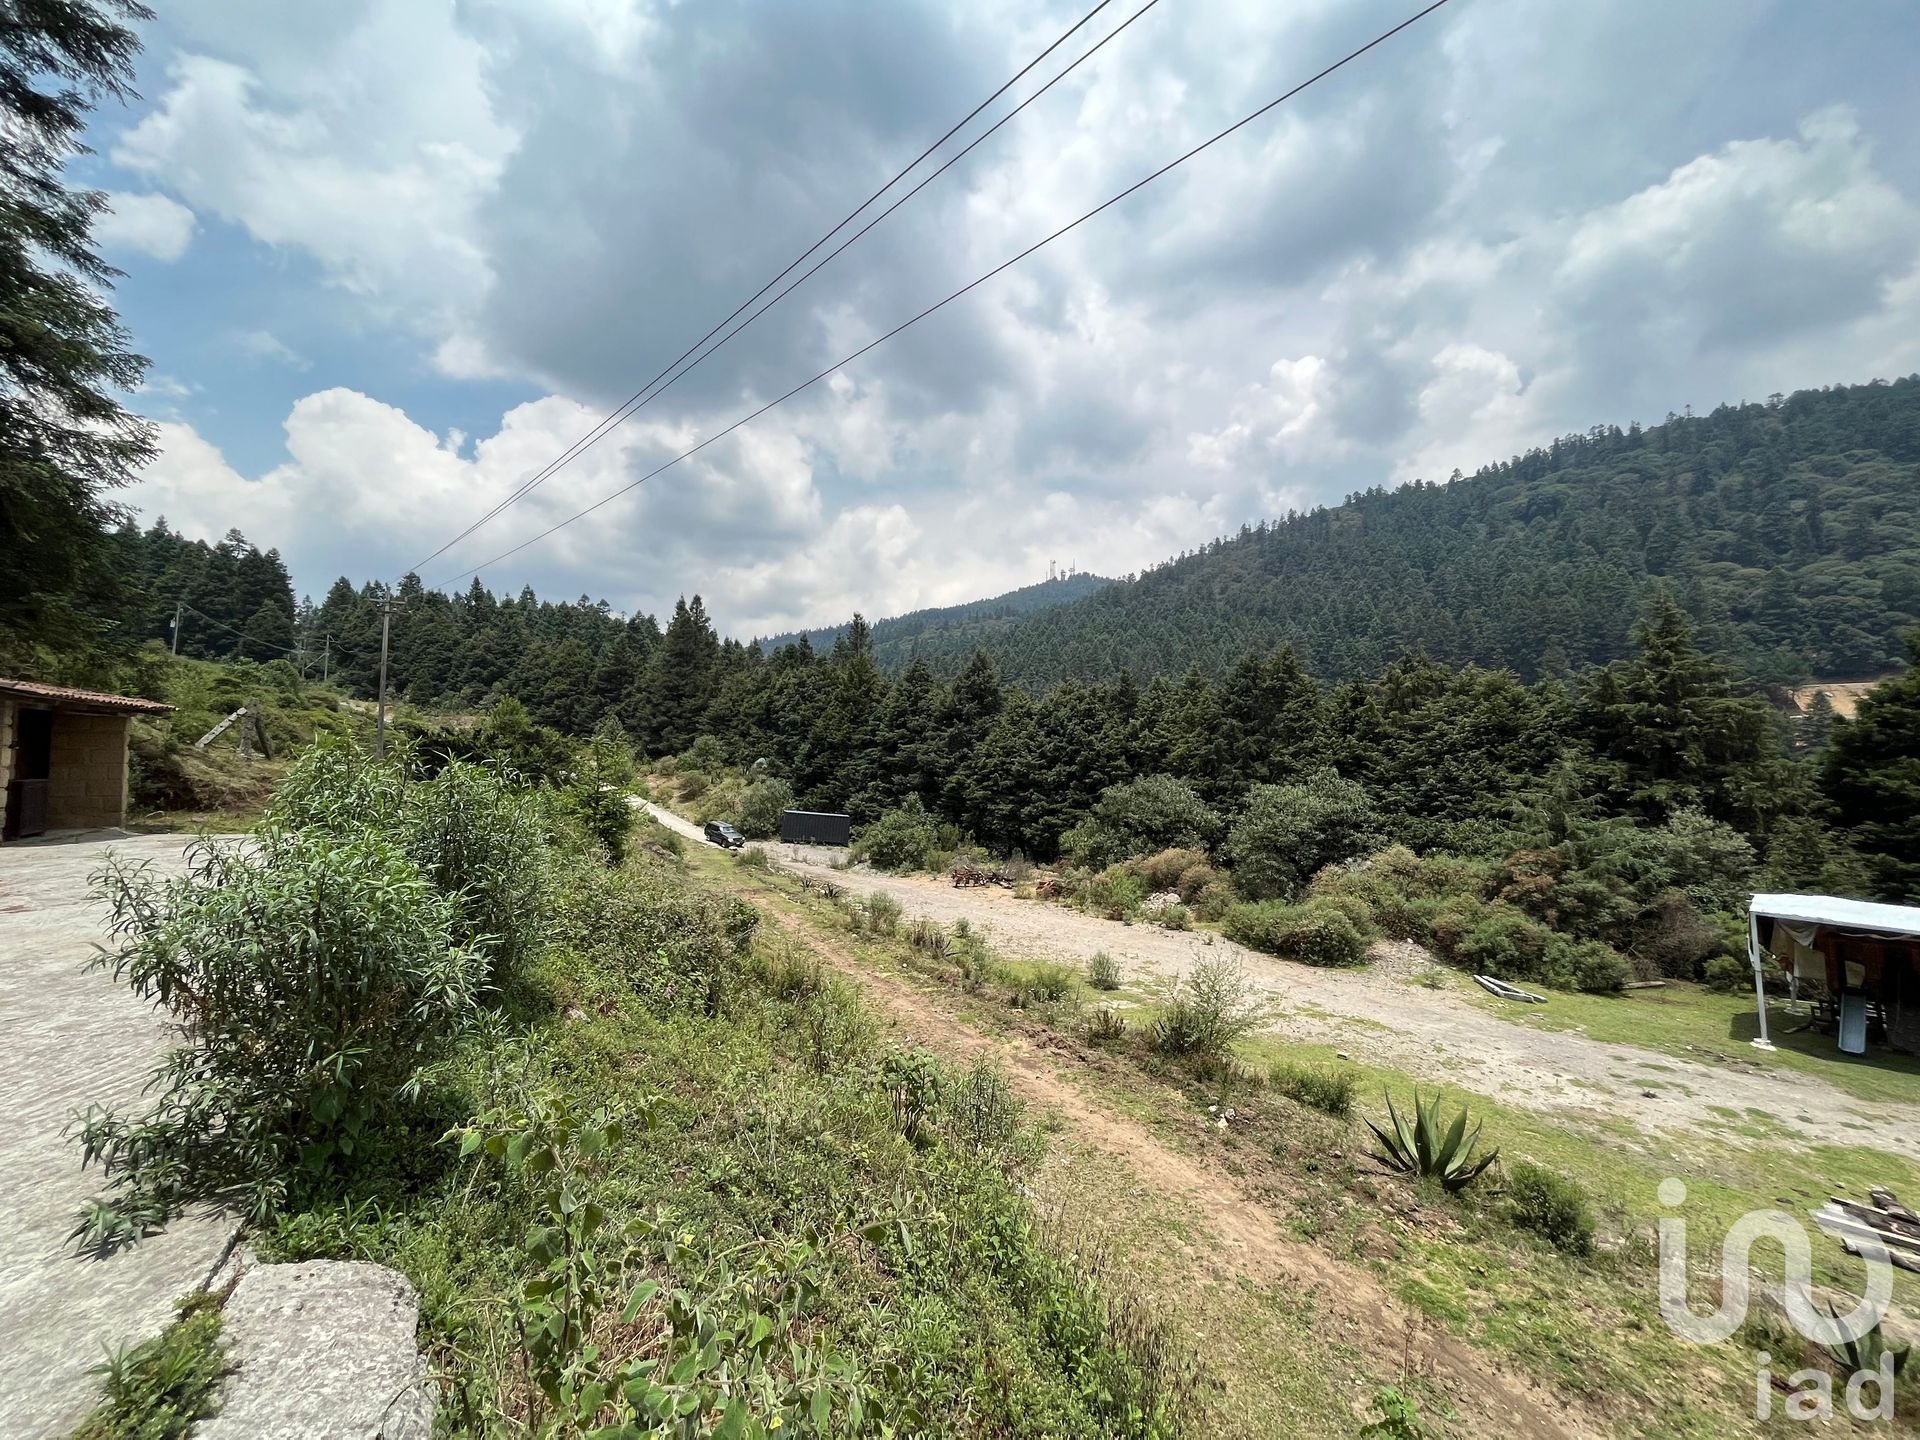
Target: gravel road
[{"x": 1380, "y": 1015}]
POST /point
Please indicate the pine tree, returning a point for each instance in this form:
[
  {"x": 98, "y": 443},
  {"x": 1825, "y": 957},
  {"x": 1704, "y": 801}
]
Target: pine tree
[
  {"x": 65, "y": 439},
  {"x": 1872, "y": 778}
]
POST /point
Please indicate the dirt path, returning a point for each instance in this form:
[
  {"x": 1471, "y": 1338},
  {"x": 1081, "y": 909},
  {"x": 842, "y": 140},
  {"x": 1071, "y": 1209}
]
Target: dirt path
[
  {"x": 1238, "y": 1239},
  {"x": 1431, "y": 1034}
]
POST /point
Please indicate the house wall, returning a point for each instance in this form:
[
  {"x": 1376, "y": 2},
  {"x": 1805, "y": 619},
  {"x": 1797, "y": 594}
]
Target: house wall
[
  {"x": 88, "y": 784},
  {"x": 8, "y": 709}
]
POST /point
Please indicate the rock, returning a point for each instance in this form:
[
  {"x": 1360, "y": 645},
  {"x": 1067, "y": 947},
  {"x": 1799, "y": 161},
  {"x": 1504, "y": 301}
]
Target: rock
[{"x": 322, "y": 1350}]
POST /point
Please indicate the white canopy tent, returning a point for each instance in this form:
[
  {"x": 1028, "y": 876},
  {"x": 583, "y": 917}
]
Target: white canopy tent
[{"x": 1857, "y": 916}]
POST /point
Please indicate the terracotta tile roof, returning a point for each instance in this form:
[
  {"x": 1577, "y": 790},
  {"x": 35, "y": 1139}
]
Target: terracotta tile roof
[{"x": 90, "y": 699}]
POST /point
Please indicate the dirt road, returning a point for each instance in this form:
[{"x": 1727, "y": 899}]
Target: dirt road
[{"x": 1377, "y": 1016}]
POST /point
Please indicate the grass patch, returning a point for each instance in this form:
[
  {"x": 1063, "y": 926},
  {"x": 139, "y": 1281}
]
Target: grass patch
[
  {"x": 161, "y": 1387},
  {"x": 1713, "y": 1028}
]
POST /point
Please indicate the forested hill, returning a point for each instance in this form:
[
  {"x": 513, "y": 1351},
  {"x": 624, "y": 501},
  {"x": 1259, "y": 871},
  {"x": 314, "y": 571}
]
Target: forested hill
[
  {"x": 1789, "y": 530},
  {"x": 952, "y": 629}
]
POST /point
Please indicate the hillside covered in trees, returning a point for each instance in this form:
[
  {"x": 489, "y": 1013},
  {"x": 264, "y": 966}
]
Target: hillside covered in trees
[
  {"x": 1790, "y": 531},
  {"x": 952, "y": 628}
]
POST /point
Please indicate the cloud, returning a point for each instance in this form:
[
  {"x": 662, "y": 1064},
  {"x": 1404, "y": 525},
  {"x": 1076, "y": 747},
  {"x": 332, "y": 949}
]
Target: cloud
[
  {"x": 149, "y": 224},
  {"x": 265, "y": 345},
  {"x": 1457, "y": 247}
]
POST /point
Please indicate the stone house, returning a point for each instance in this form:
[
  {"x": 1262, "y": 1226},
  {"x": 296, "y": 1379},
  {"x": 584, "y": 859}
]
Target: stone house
[{"x": 63, "y": 756}]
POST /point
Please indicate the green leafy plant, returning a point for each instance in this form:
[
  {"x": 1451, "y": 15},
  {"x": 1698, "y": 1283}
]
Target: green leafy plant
[
  {"x": 981, "y": 1110},
  {"x": 1106, "y": 1026},
  {"x": 1212, "y": 1006},
  {"x": 882, "y": 913},
  {"x": 315, "y": 976},
  {"x": 1550, "y": 1205},
  {"x": 159, "y": 1389},
  {"x": 1864, "y": 1351},
  {"x": 1321, "y": 1087},
  {"x": 1398, "y": 1418},
  {"x": 1423, "y": 1147},
  {"x": 913, "y": 1084},
  {"x": 1103, "y": 972},
  {"x": 1316, "y": 933}
]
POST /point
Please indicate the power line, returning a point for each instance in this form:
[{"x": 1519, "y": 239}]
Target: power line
[
  {"x": 250, "y": 639},
  {"x": 971, "y": 285},
  {"x": 632, "y": 406},
  {"x": 592, "y": 436}
]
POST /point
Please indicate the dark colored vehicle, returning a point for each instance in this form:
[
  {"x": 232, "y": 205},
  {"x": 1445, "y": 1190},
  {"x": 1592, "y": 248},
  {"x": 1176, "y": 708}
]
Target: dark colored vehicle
[
  {"x": 724, "y": 835},
  {"x": 815, "y": 827}
]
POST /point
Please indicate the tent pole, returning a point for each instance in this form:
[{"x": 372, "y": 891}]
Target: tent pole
[{"x": 1759, "y": 985}]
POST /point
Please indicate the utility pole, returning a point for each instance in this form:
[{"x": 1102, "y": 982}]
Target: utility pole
[
  {"x": 380, "y": 724},
  {"x": 326, "y": 658},
  {"x": 178, "y": 605}
]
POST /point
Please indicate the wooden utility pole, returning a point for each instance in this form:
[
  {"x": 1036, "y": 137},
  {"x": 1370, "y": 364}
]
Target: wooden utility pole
[
  {"x": 178, "y": 605},
  {"x": 380, "y": 723},
  {"x": 326, "y": 659}
]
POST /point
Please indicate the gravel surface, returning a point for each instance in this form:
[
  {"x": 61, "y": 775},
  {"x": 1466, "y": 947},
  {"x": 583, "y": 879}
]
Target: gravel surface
[{"x": 1381, "y": 1014}]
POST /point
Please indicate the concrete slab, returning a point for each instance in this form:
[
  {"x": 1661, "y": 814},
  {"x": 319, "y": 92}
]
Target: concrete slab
[{"x": 69, "y": 1038}]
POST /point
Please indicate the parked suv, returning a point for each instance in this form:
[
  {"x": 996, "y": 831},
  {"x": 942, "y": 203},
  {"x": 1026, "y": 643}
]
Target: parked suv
[{"x": 724, "y": 835}]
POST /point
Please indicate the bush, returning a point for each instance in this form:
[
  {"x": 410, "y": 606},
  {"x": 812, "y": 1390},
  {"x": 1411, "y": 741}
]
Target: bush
[
  {"x": 1046, "y": 983},
  {"x": 1728, "y": 973},
  {"x": 1115, "y": 892},
  {"x": 1174, "y": 917},
  {"x": 1319, "y": 1087},
  {"x": 1287, "y": 832},
  {"x": 1106, "y": 1026},
  {"x": 1212, "y": 1007},
  {"x": 1551, "y": 1206},
  {"x": 883, "y": 913},
  {"x": 676, "y": 948},
  {"x": 902, "y": 839},
  {"x": 981, "y": 1110},
  {"x": 1586, "y": 965},
  {"x": 481, "y": 841},
  {"x": 1103, "y": 972},
  {"x": 1165, "y": 870},
  {"x": 1506, "y": 944},
  {"x": 1154, "y": 813},
  {"x": 1315, "y": 933},
  {"x": 760, "y": 808},
  {"x": 316, "y": 976}
]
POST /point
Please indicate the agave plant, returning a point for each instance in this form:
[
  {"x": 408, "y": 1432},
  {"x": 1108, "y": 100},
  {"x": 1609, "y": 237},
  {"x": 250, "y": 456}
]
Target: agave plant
[
  {"x": 1423, "y": 1148},
  {"x": 1864, "y": 1352}
]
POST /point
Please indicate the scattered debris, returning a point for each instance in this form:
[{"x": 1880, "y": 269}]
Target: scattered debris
[{"x": 1885, "y": 1222}]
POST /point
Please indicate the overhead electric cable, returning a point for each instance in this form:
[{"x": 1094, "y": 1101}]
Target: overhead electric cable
[
  {"x": 288, "y": 649},
  {"x": 971, "y": 285},
  {"x": 679, "y": 372},
  {"x": 620, "y": 414}
]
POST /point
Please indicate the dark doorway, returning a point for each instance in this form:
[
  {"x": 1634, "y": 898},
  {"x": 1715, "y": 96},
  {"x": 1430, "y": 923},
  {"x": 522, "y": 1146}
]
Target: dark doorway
[{"x": 32, "y": 765}]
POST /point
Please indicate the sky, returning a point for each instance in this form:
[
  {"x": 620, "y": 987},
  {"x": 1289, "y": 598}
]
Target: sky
[{"x": 390, "y": 257}]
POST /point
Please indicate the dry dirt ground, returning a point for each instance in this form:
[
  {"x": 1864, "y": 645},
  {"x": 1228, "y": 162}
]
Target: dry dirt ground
[{"x": 1377, "y": 1015}]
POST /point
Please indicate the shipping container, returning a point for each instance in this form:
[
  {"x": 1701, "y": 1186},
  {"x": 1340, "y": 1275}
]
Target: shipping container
[{"x": 815, "y": 827}]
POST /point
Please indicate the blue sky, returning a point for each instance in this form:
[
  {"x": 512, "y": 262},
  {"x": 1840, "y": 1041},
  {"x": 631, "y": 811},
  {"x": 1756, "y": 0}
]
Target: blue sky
[{"x": 389, "y": 257}]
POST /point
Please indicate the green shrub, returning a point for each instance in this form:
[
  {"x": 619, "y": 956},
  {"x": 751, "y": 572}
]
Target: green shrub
[
  {"x": 1728, "y": 973},
  {"x": 316, "y": 977},
  {"x": 1165, "y": 870},
  {"x": 1586, "y": 965},
  {"x": 980, "y": 1108},
  {"x": 1140, "y": 817},
  {"x": 1103, "y": 972},
  {"x": 1318, "y": 1086},
  {"x": 883, "y": 913},
  {"x": 1212, "y": 1006},
  {"x": 1353, "y": 906},
  {"x": 675, "y": 947},
  {"x": 1506, "y": 944},
  {"x": 1287, "y": 832},
  {"x": 1173, "y": 917},
  {"x": 760, "y": 807},
  {"x": 481, "y": 840},
  {"x": 902, "y": 839},
  {"x": 1106, "y": 1026},
  {"x": 1314, "y": 934},
  {"x": 1551, "y": 1206},
  {"x": 1046, "y": 983},
  {"x": 1446, "y": 923},
  {"x": 1115, "y": 892}
]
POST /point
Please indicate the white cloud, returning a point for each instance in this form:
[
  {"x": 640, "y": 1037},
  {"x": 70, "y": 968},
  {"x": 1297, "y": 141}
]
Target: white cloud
[
  {"x": 1454, "y": 249},
  {"x": 150, "y": 224},
  {"x": 265, "y": 345}
]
